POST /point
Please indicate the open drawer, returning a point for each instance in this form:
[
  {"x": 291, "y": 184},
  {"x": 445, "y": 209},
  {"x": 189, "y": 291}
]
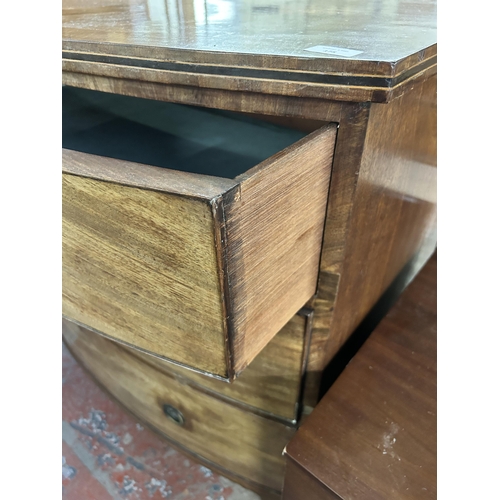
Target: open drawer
[{"x": 202, "y": 270}]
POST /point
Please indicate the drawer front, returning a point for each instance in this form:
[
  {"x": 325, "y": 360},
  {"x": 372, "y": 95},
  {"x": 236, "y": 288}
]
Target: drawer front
[
  {"x": 270, "y": 385},
  {"x": 247, "y": 445},
  {"x": 200, "y": 270},
  {"x": 140, "y": 266}
]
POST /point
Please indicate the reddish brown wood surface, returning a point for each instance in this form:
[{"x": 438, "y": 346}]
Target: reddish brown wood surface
[
  {"x": 382, "y": 216},
  {"x": 373, "y": 436}
]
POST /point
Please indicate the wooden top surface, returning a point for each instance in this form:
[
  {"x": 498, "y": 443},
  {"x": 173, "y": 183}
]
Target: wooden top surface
[
  {"x": 362, "y": 43},
  {"x": 374, "y": 433}
]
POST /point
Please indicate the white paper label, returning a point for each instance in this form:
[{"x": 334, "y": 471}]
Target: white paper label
[{"x": 334, "y": 51}]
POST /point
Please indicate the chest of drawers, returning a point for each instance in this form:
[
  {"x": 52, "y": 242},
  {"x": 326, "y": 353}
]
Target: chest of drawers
[{"x": 241, "y": 184}]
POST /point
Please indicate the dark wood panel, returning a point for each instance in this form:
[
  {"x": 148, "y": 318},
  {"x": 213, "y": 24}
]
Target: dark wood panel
[
  {"x": 300, "y": 485},
  {"x": 373, "y": 436}
]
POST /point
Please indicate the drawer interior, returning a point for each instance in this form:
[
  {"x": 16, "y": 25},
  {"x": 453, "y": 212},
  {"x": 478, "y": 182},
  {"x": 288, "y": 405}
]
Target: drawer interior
[{"x": 178, "y": 137}]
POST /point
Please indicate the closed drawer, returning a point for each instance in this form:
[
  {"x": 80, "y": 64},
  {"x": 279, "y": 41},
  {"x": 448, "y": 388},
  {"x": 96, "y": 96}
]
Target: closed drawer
[
  {"x": 244, "y": 444},
  {"x": 270, "y": 385},
  {"x": 200, "y": 270}
]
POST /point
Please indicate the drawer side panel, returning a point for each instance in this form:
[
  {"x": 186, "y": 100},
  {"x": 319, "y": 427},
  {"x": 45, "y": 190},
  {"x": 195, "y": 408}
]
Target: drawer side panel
[{"x": 274, "y": 230}]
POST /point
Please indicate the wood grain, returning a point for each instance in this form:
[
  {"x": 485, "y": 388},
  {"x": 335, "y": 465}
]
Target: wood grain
[
  {"x": 246, "y": 444},
  {"x": 373, "y": 436},
  {"x": 300, "y": 485},
  {"x": 348, "y": 153},
  {"x": 196, "y": 269},
  {"x": 249, "y": 47},
  {"x": 240, "y": 100},
  {"x": 393, "y": 218},
  {"x": 270, "y": 385},
  {"x": 351, "y": 93},
  {"x": 381, "y": 218},
  {"x": 274, "y": 233},
  {"x": 291, "y": 98},
  {"x": 204, "y": 187},
  {"x": 380, "y": 210},
  {"x": 135, "y": 270}
]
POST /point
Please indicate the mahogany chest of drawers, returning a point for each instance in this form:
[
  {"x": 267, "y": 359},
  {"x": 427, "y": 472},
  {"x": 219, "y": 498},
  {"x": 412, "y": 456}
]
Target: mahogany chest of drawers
[{"x": 241, "y": 184}]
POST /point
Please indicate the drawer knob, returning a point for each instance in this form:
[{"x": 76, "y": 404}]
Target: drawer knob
[{"x": 173, "y": 414}]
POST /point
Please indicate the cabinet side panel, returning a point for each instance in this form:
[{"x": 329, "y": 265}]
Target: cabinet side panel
[{"x": 393, "y": 217}]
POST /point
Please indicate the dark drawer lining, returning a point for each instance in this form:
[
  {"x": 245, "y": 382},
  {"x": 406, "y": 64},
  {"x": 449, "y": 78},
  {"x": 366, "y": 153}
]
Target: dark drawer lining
[{"x": 174, "y": 136}]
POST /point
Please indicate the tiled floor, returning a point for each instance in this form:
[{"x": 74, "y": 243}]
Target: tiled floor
[{"x": 106, "y": 454}]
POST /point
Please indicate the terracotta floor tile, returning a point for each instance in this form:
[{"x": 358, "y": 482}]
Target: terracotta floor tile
[{"x": 78, "y": 482}]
